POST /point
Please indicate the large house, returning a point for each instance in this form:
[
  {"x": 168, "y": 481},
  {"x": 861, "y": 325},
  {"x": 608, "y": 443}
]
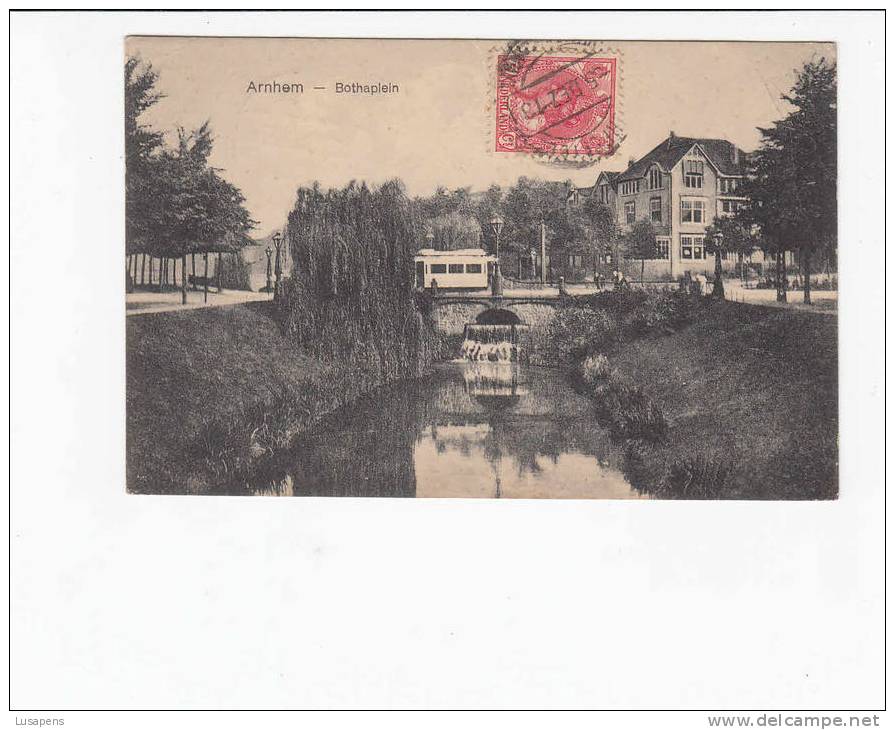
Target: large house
[{"x": 680, "y": 186}]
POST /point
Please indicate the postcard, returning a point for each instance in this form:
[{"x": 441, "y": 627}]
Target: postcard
[{"x": 481, "y": 268}]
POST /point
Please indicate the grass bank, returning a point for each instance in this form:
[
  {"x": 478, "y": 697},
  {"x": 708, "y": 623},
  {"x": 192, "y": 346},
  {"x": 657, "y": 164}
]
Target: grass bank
[
  {"x": 713, "y": 399},
  {"x": 213, "y": 394},
  {"x": 751, "y": 398}
]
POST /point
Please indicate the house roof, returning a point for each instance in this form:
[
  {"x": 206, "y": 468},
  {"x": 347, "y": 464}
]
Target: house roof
[
  {"x": 590, "y": 190},
  {"x": 724, "y": 155}
]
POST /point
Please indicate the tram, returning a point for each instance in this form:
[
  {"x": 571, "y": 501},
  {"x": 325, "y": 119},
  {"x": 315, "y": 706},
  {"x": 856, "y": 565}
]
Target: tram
[{"x": 466, "y": 268}]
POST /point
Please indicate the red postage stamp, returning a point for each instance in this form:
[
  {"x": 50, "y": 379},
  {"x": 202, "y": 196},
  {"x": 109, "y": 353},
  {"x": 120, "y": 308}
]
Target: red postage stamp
[{"x": 556, "y": 105}]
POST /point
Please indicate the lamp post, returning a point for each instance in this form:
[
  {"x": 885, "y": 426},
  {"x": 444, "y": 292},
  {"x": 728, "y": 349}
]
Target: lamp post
[
  {"x": 718, "y": 286},
  {"x": 269, "y": 286},
  {"x": 496, "y": 282},
  {"x": 278, "y": 270}
]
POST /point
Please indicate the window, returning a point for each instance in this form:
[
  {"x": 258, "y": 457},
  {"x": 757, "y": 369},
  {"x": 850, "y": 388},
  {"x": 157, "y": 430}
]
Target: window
[
  {"x": 473, "y": 268},
  {"x": 727, "y": 185},
  {"x": 575, "y": 261},
  {"x": 663, "y": 247},
  {"x": 604, "y": 193},
  {"x": 630, "y": 187},
  {"x": 630, "y": 213},
  {"x": 730, "y": 206},
  {"x": 693, "y": 171},
  {"x": 655, "y": 210},
  {"x": 455, "y": 268},
  {"x": 438, "y": 269},
  {"x": 692, "y": 248},
  {"x": 655, "y": 179},
  {"x": 692, "y": 210}
]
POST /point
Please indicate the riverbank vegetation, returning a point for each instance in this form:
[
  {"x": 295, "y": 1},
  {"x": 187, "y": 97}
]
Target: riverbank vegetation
[
  {"x": 705, "y": 399},
  {"x": 244, "y": 381},
  {"x": 215, "y": 395},
  {"x": 710, "y": 399}
]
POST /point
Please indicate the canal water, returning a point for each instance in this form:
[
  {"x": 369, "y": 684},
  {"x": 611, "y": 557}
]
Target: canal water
[{"x": 472, "y": 428}]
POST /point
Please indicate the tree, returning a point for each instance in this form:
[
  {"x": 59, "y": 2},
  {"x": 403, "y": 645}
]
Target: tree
[
  {"x": 735, "y": 239},
  {"x": 640, "y": 243},
  {"x": 207, "y": 213},
  {"x": 603, "y": 232},
  {"x": 452, "y": 231},
  {"x": 791, "y": 181},
  {"x": 176, "y": 203},
  {"x": 141, "y": 147},
  {"x": 351, "y": 294},
  {"x": 485, "y": 206},
  {"x": 527, "y": 204}
]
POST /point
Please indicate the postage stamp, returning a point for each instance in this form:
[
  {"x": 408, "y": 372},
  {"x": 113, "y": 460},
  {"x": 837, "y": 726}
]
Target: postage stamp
[{"x": 556, "y": 105}]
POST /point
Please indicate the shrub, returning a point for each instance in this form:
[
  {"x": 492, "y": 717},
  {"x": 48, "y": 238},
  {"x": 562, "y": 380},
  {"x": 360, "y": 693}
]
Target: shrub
[
  {"x": 621, "y": 301},
  {"x": 595, "y": 368},
  {"x": 696, "y": 477},
  {"x": 664, "y": 310},
  {"x": 629, "y": 413},
  {"x": 636, "y": 312},
  {"x": 575, "y": 332},
  {"x": 235, "y": 272}
]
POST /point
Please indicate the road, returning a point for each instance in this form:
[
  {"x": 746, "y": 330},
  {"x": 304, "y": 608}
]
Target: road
[{"x": 147, "y": 302}]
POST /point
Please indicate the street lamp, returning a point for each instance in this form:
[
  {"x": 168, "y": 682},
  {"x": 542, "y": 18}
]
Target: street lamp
[
  {"x": 430, "y": 237},
  {"x": 278, "y": 270},
  {"x": 496, "y": 283},
  {"x": 269, "y": 286},
  {"x": 533, "y": 255},
  {"x": 718, "y": 286}
]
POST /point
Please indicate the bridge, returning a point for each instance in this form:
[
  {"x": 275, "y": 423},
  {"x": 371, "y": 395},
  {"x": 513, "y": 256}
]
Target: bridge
[{"x": 453, "y": 312}]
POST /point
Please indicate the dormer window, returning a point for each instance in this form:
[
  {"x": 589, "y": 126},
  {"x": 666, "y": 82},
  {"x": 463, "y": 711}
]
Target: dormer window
[
  {"x": 654, "y": 179},
  {"x": 693, "y": 173},
  {"x": 630, "y": 187}
]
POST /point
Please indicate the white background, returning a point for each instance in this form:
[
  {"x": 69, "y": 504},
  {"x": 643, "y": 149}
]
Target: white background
[{"x": 138, "y": 602}]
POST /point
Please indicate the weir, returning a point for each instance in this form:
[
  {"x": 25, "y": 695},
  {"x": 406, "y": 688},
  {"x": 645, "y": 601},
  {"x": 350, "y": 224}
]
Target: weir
[{"x": 492, "y": 342}]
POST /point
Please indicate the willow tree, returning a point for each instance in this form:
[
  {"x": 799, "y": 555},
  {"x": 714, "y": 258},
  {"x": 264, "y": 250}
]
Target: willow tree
[{"x": 350, "y": 294}]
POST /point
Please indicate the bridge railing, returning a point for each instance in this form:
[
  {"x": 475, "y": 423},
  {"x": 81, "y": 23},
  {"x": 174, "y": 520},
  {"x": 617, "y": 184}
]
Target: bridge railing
[{"x": 511, "y": 283}]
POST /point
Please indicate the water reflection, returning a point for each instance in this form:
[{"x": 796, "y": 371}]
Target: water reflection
[{"x": 473, "y": 429}]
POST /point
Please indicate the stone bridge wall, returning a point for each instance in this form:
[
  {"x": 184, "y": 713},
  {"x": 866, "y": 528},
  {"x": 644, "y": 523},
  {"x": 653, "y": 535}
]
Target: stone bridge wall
[{"x": 452, "y": 316}]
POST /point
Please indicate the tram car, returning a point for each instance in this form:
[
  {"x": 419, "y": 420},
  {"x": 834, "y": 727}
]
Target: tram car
[{"x": 467, "y": 268}]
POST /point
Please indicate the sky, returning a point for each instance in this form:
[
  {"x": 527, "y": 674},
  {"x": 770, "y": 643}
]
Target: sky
[{"x": 438, "y": 129}]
